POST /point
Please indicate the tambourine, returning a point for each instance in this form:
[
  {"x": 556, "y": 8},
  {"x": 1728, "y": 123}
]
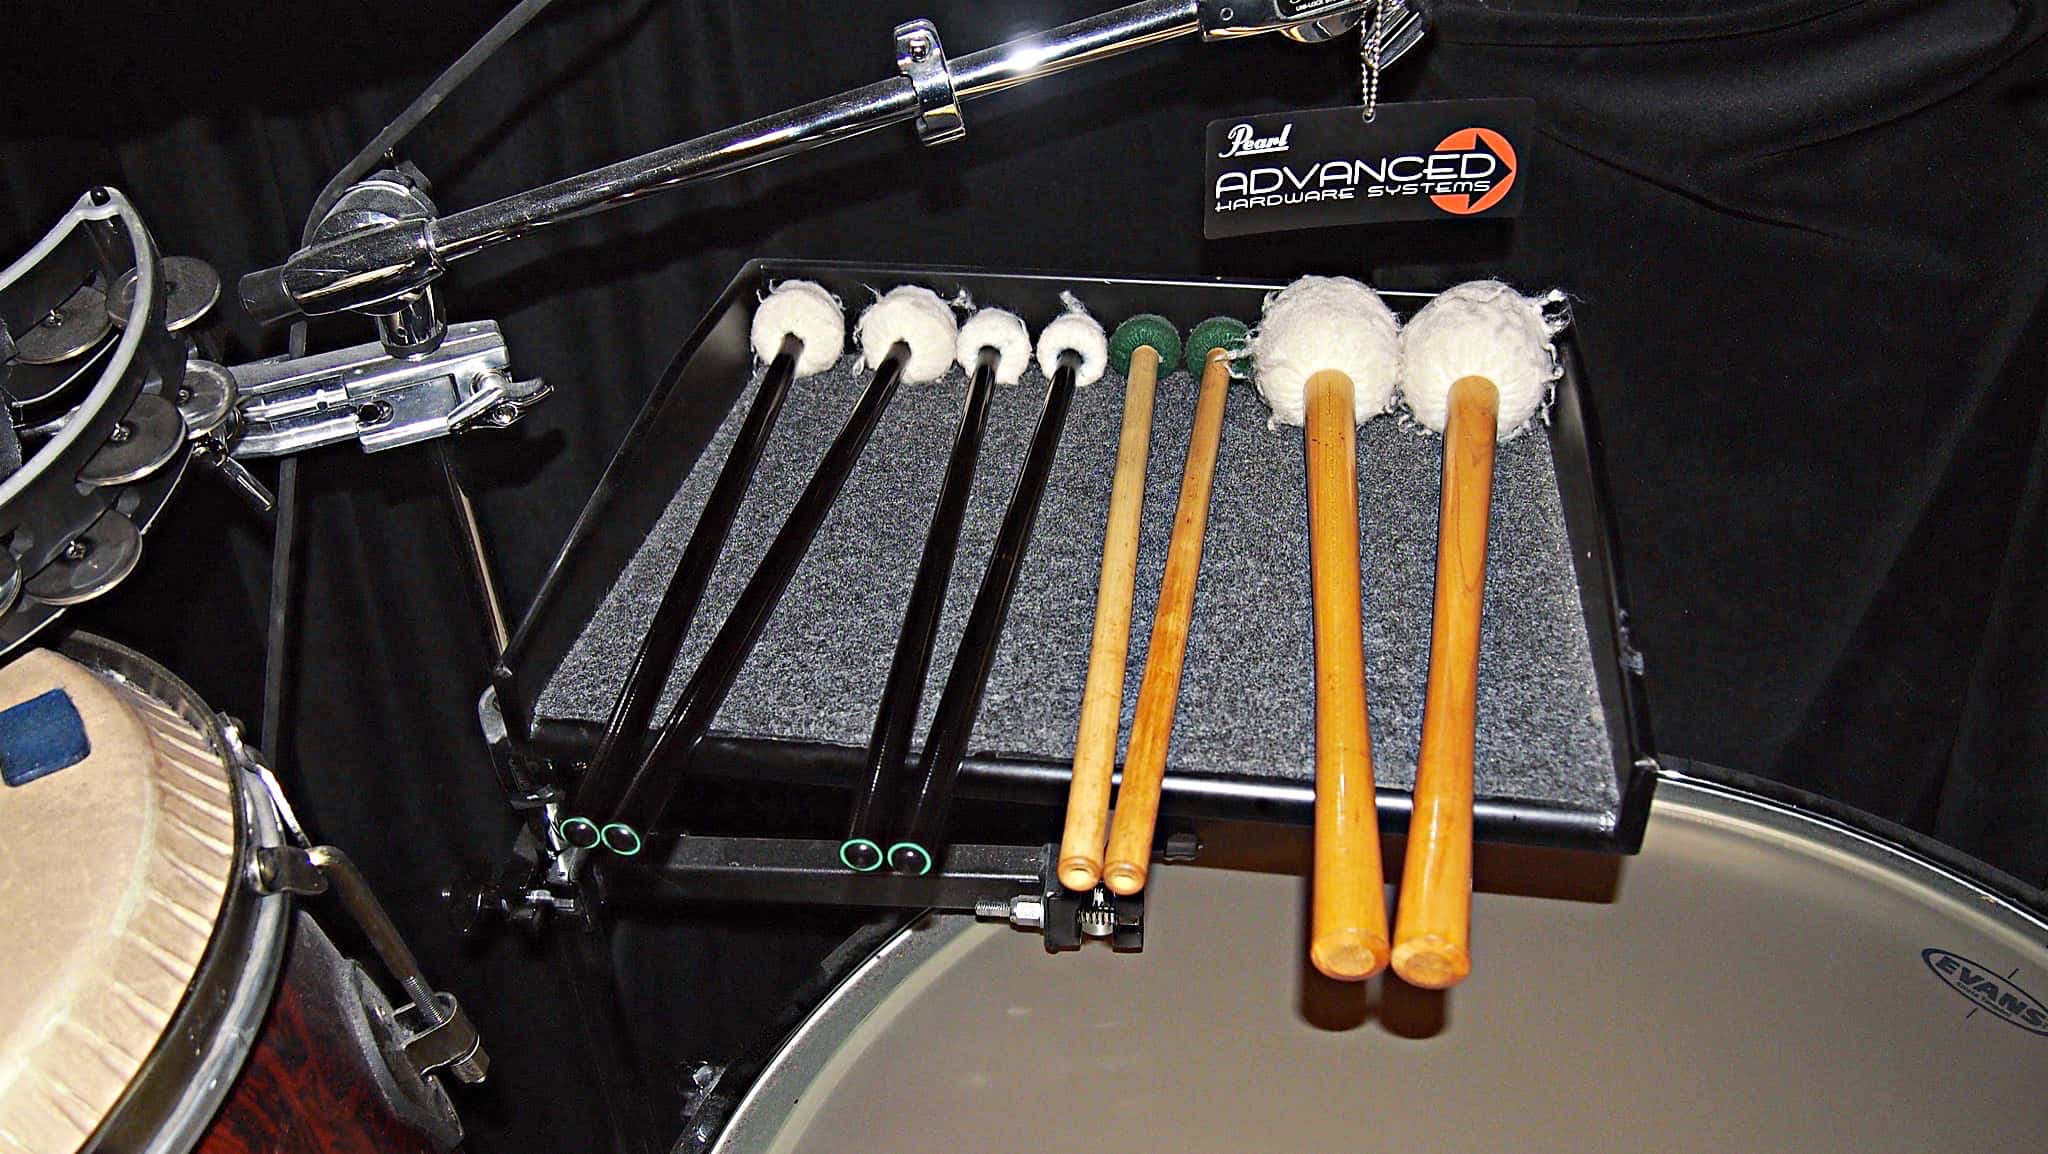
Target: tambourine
[{"x": 104, "y": 399}]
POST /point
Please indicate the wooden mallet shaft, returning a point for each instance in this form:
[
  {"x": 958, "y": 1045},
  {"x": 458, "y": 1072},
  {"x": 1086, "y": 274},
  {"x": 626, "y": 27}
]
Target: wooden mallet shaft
[
  {"x": 1348, "y": 912},
  {"x": 1432, "y": 931},
  {"x": 1080, "y": 860},
  {"x": 1137, "y": 806}
]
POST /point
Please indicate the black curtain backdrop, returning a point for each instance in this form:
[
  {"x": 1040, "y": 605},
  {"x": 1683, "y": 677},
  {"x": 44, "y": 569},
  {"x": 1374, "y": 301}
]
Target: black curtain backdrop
[{"x": 1806, "y": 238}]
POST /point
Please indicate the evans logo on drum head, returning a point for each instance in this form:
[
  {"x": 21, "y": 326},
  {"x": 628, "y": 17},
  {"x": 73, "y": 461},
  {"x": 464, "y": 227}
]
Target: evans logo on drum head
[
  {"x": 1445, "y": 160},
  {"x": 1987, "y": 991}
]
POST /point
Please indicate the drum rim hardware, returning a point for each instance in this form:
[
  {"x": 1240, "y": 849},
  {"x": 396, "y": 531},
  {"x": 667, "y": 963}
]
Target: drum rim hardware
[
  {"x": 436, "y": 1033},
  {"x": 198, "y": 1060}
]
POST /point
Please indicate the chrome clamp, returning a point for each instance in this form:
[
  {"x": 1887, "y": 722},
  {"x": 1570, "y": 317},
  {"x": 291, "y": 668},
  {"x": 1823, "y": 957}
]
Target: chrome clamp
[
  {"x": 1312, "y": 21},
  {"x": 921, "y": 57},
  {"x": 363, "y": 393},
  {"x": 443, "y": 1039}
]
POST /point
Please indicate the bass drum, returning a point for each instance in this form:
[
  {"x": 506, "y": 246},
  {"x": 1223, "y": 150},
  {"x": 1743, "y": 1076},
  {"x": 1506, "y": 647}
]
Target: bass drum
[{"x": 1758, "y": 978}]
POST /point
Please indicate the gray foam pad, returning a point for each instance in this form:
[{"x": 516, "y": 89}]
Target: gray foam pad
[{"x": 1246, "y": 703}]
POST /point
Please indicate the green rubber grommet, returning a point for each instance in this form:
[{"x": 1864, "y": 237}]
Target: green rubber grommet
[
  {"x": 900, "y": 858},
  {"x": 608, "y": 835},
  {"x": 867, "y": 852},
  {"x": 579, "y": 831},
  {"x": 1214, "y": 333},
  {"x": 1139, "y": 331}
]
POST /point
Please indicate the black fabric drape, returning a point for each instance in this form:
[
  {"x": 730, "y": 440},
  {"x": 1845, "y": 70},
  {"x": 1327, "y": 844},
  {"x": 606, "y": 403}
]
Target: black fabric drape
[
  {"x": 1808, "y": 241},
  {"x": 1806, "y": 238}
]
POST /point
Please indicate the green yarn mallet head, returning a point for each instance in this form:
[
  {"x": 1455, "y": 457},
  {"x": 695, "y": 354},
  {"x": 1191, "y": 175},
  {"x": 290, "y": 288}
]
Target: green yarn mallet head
[
  {"x": 1144, "y": 329},
  {"x": 1215, "y": 333}
]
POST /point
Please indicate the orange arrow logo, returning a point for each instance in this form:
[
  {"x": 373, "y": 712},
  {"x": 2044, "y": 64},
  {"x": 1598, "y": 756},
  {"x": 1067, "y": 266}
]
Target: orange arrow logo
[{"x": 1470, "y": 140}]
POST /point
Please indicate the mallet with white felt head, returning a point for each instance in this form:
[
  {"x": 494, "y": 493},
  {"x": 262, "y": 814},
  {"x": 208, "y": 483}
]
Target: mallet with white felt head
[
  {"x": 994, "y": 348},
  {"x": 1072, "y": 352},
  {"x": 1326, "y": 354},
  {"x": 1210, "y": 349},
  {"x": 1476, "y": 365},
  {"x": 798, "y": 331},
  {"x": 906, "y": 335},
  {"x": 1137, "y": 349}
]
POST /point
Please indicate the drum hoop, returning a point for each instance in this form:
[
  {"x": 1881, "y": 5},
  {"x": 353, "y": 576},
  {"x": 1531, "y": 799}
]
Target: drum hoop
[
  {"x": 864, "y": 989},
  {"x": 1846, "y": 827},
  {"x": 182, "y": 1084},
  {"x": 774, "y": 1098}
]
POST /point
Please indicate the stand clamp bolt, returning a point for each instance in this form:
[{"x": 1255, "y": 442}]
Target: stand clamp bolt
[{"x": 921, "y": 57}]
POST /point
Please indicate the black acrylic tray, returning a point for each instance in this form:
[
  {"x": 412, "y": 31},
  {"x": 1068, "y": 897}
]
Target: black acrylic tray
[{"x": 1564, "y": 753}]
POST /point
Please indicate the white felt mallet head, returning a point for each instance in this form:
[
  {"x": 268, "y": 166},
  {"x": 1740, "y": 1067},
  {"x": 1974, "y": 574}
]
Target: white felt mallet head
[
  {"x": 920, "y": 320},
  {"x": 804, "y": 310},
  {"x": 1480, "y": 328},
  {"x": 1326, "y": 323},
  {"x": 1074, "y": 331},
  {"x": 1002, "y": 331}
]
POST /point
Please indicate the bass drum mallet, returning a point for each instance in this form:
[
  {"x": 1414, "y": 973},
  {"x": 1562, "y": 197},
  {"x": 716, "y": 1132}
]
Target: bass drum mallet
[
  {"x": 1326, "y": 354},
  {"x": 1476, "y": 366}
]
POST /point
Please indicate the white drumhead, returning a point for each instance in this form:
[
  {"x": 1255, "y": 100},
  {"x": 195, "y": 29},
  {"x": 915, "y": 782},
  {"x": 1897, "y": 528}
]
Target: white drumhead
[
  {"x": 112, "y": 873},
  {"x": 1759, "y": 981}
]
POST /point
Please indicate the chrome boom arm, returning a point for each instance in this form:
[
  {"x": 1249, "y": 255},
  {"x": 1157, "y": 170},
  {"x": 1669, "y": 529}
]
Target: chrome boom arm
[{"x": 382, "y": 261}]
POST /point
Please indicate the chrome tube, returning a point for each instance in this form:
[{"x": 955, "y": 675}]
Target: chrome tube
[
  {"x": 729, "y": 150},
  {"x": 369, "y": 266},
  {"x": 808, "y": 126},
  {"x": 1084, "y": 41}
]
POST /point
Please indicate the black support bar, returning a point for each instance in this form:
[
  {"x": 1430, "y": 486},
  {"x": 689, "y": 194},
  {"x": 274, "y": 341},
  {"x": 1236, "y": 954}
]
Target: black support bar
[{"x": 800, "y": 871}]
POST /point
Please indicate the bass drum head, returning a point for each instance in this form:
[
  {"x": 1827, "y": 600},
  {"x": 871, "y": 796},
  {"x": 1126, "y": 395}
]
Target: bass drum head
[{"x": 1757, "y": 979}]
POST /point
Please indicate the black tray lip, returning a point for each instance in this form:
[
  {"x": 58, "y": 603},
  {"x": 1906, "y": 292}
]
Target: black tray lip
[{"x": 545, "y": 634}]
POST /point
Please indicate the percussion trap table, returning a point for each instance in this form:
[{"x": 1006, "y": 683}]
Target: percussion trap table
[{"x": 1562, "y": 752}]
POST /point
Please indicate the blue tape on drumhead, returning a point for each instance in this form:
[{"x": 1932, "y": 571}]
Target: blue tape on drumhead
[{"x": 41, "y": 736}]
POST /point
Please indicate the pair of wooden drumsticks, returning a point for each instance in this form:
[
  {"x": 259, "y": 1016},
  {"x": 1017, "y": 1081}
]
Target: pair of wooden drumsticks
[{"x": 1475, "y": 364}]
